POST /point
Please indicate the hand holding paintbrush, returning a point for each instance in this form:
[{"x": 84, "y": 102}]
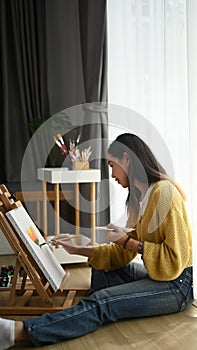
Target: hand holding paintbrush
[
  {"x": 64, "y": 238},
  {"x": 53, "y": 241}
]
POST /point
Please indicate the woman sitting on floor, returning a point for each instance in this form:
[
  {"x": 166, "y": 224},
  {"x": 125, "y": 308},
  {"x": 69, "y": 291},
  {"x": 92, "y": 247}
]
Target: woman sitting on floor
[{"x": 120, "y": 288}]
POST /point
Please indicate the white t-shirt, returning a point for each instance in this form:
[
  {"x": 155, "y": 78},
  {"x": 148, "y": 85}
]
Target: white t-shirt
[{"x": 144, "y": 201}]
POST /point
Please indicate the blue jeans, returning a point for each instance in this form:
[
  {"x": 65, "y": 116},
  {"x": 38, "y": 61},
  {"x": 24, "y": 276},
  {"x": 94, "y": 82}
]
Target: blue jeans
[{"x": 121, "y": 294}]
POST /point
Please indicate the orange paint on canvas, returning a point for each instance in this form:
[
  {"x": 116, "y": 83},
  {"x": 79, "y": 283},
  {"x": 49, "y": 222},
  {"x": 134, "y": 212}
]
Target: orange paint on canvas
[{"x": 32, "y": 234}]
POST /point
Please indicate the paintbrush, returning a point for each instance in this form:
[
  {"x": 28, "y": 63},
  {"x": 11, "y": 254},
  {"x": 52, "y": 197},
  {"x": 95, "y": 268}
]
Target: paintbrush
[
  {"x": 79, "y": 239},
  {"x": 105, "y": 228},
  {"x": 54, "y": 240}
]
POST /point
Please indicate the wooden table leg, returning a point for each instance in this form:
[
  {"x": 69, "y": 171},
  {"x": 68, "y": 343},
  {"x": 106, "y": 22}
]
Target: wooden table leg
[
  {"x": 57, "y": 209},
  {"x": 38, "y": 213},
  {"x": 77, "y": 209},
  {"x": 44, "y": 188},
  {"x": 92, "y": 212}
]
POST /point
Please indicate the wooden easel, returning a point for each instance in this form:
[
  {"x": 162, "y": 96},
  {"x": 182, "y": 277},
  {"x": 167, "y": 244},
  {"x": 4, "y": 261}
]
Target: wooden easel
[{"x": 20, "y": 295}]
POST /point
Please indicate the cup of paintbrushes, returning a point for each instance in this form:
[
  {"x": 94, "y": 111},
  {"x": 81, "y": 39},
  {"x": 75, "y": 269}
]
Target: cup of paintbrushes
[{"x": 80, "y": 165}]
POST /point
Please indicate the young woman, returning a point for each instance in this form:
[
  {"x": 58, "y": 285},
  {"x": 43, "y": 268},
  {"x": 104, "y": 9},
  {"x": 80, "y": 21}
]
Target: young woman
[{"x": 120, "y": 288}]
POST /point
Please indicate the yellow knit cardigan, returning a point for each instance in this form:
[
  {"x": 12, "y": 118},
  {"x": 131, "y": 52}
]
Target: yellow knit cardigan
[{"x": 165, "y": 230}]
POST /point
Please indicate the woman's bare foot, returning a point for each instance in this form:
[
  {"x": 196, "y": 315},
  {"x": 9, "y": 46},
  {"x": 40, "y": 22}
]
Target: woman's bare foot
[{"x": 21, "y": 335}]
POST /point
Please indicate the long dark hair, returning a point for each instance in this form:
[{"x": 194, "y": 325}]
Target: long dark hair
[
  {"x": 139, "y": 153},
  {"x": 144, "y": 165}
]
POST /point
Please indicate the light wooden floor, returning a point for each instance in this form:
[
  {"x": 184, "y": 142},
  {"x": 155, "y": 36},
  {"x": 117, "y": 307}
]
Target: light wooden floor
[{"x": 171, "y": 332}]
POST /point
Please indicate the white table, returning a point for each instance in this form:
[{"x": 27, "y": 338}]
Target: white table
[{"x": 58, "y": 176}]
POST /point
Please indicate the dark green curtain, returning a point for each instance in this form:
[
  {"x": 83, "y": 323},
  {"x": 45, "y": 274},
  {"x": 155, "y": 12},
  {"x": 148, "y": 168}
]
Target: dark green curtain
[{"x": 23, "y": 74}]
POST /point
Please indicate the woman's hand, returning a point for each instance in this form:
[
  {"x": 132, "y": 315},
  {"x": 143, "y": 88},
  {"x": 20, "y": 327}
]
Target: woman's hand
[
  {"x": 69, "y": 243},
  {"x": 66, "y": 241},
  {"x": 116, "y": 234}
]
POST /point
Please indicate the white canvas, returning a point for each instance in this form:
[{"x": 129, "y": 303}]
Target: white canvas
[{"x": 43, "y": 256}]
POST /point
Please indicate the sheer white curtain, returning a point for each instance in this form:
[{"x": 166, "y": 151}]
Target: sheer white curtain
[
  {"x": 151, "y": 67},
  {"x": 192, "y": 117}
]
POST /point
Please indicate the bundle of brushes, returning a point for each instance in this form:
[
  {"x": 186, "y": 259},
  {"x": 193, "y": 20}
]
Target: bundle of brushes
[
  {"x": 60, "y": 143},
  {"x": 75, "y": 154}
]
